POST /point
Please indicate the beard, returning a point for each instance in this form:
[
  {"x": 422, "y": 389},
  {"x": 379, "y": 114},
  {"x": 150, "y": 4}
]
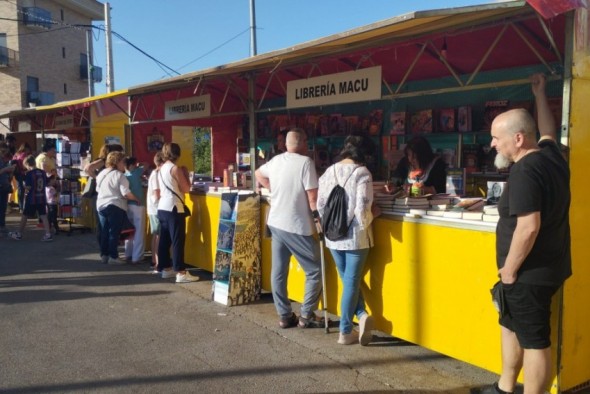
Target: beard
[{"x": 501, "y": 162}]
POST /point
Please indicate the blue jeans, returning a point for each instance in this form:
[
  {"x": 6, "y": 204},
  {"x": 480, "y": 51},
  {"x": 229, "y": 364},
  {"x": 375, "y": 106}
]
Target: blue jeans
[
  {"x": 172, "y": 233},
  {"x": 111, "y": 221},
  {"x": 307, "y": 252},
  {"x": 350, "y": 265}
]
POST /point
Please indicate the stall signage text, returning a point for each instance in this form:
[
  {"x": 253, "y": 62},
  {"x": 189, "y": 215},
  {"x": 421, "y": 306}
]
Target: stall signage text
[
  {"x": 64, "y": 122},
  {"x": 188, "y": 108},
  {"x": 346, "y": 87}
]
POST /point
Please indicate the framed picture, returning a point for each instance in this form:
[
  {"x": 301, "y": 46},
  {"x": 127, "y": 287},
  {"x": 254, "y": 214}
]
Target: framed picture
[
  {"x": 464, "y": 119},
  {"x": 155, "y": 142},
  {"x": 421, "y": 121},
  {"x": 397, "y": 121},
  {"x": 446, "y": 120}
]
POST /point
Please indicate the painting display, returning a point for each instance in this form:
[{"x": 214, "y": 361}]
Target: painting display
[{"x": 237, "y": 276}]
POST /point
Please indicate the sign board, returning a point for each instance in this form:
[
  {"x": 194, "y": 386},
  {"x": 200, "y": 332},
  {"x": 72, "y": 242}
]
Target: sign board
[
  {"x": 188, "y": 108},
  {"x": 64, "y": 122},
  {"x": 24, "y": 125},
  {"x": 346, "y": 87}
]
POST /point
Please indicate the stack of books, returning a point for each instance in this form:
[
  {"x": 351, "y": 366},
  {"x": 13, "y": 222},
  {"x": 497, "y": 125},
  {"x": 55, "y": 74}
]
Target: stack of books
[
  {"x": 414, "y": 206},
  {"x": 439, "y": 204},
  {"x": 467, "y": 208},
  {"x": 490, "y": 214}
]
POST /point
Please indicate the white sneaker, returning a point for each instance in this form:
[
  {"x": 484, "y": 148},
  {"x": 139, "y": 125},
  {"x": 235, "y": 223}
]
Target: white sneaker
[
  {"x": 186, "y": 277},
  {"x": 15, "y": 235},
  {"x": 47, "y": 238},
  {"x": 113, "y": 261},
  {"x": 348, "y": 339},
  {"x": 366, "y": 324},
  {"x": 167, "y": 274}
]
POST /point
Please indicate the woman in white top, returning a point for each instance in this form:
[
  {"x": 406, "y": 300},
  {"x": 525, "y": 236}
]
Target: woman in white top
[
  {"x": 350, "y": 252},
  {"x": 111, "y": 203},
  {"x": 174, "y": 183},
  {"x": 153, "y": 197}
]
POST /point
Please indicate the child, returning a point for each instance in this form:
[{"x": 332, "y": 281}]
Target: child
[
  {"x": 153, "y": 196},
  {"x": 134, "y": 248},
  {"x": 52, "y": 196},
  {"x": 35, "y": 201}
]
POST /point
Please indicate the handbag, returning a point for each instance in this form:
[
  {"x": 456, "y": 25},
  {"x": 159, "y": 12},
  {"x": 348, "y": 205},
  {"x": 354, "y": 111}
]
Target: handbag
[
  {"x": 90, "y": 188},
  {"x": 187, "y": 211},
  {"x": 127, "y": 229}
]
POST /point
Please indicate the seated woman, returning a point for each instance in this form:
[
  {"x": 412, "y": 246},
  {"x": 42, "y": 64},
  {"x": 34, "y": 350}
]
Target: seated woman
[{"x": 420, "y": 171}]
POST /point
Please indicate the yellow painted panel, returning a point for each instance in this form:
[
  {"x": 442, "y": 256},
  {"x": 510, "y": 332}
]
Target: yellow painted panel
[
  {"x": 576, "y": 314},
  {"x": 106, "y": 126},
  {"x": 201, "y": 239}
]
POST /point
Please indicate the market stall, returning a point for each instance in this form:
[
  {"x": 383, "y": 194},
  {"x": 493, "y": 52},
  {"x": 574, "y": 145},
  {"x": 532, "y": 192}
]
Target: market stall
[{"x": 428, "y": 279}]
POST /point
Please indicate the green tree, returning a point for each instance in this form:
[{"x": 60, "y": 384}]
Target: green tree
[{"x": 202, "y": 151}]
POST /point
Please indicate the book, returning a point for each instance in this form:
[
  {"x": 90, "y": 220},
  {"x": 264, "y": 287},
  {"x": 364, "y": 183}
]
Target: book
[
  {"x": 464, "y": 119},
  {"x": 431, "y": 212},
  {"x": 453, "y": 214},
  {"x": 412, "y": 201},
  {"x": 470, "y": 203},
  {"x": 490, "y": 218},
  {"x": 446, "y": 120},
  {"x": 397, "y": 122},
  {"x": 440, "y": 207},
  {"x": 490, "y": 210},
  {"x": 421, "y": 121},
  {"x": 495, "y": 190},
  {"x": 419, "y": 212},
  {"x": 471, "y": 157},
  {"x": 491, "y": 110},
  {"x": 472, "y": 215},
  {"x": 456, "y": 178}
]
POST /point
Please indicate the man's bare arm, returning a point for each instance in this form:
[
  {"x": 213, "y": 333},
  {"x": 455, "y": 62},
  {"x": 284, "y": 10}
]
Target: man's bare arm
[{"x": 545, "y": 118}]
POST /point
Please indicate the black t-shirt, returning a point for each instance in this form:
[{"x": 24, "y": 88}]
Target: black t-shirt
[
  {"x": 540, "y": 181},
  {"x": 436, "y": 178}
]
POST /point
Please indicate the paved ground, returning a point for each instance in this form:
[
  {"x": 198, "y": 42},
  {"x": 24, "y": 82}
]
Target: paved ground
[{"x": 72, "y": 324}]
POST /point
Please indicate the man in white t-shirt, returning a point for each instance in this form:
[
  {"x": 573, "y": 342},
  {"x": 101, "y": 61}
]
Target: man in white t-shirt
[{"x": 292, "y": 180}]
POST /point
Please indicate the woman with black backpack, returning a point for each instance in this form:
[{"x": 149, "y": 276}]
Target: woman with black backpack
[{"x": 350, "y": 247}]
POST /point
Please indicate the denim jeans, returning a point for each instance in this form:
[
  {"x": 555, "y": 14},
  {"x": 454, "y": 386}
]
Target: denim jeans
[
  {"x": 111, "y": 221},
  {"x": 350, "y": 265},
  {"x": 307, "y": 252},
  {"x": 172, "y": 233}
]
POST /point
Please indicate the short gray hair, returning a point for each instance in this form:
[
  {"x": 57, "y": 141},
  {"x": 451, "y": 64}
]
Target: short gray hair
[{"x": 295, "y": 138}]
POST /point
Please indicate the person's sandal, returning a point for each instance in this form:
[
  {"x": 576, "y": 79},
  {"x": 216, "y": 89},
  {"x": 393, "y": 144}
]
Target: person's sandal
[
  {"x": 287, "y": 322},
  {"x": 311, "y": 322}
]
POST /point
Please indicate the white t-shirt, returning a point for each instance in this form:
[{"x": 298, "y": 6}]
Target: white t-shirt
[
  {"x": 112, "y": 187},
  {"x": 153, "y": 184},
  {"x": 290, "y": 175},
  {"x": 167, "y": 199}
]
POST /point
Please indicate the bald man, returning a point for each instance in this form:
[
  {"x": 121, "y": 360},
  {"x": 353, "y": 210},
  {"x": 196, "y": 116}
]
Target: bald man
[
  {"x": 291, "y": 177},
  {"x": 532, "y": 239}
]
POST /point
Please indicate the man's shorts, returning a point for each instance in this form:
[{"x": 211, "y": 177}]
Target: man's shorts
[
  {"x": 154, "y": 224},
  {"x": 31, "y": 210},
  {"x": 529, "y": 312}
]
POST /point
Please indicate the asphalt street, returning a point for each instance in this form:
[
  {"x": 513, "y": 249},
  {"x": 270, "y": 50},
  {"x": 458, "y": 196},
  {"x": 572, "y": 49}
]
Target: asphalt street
[{"x": 70, "y": 324}]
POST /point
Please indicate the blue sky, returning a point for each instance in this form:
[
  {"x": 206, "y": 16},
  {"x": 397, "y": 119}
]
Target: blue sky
[{"x": 190, "y": 35}]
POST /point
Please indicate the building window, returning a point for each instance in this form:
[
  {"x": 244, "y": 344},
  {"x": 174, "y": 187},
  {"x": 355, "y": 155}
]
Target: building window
[
  {"x": 61, "y": 14},
  {"x": 65, "y": 88},
  {"x": 32, "y": 84},
  {"x": 63, "y": 52}
]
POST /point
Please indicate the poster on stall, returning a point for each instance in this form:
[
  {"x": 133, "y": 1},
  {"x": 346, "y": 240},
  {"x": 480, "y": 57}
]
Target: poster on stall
[{"x": 237, "y": 275}]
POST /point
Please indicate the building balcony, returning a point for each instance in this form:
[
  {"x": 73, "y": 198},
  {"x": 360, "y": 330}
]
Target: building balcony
[
  {"x": 37, "y": 17},
  {"x": 40, "y": 98},
  {"x": 95, "y": 71},
  {"x": 8, "y": 57}
]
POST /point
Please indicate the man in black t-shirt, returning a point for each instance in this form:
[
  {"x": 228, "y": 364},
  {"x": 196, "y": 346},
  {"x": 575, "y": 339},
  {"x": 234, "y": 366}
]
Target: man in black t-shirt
[{"x": 532, "y": 239}]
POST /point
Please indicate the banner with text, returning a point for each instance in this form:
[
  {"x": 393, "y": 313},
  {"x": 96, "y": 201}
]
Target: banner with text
[
  {"x": 346, "y": 87},
  {"x": 188, "y": 108}
]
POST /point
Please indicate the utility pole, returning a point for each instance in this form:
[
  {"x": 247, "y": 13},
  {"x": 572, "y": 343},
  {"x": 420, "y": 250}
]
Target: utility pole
[
  {"x": 253, "y": 50},
  {"x": 89, "y": 65},
  {"x": 109, "y": 47}
]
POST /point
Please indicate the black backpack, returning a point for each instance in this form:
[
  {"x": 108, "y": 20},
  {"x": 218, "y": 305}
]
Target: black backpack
[{"x": 335, "y": 220}]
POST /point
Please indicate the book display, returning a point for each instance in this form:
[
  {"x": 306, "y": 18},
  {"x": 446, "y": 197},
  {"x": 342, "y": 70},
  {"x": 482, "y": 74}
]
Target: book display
[
  {"x": 237, "y": 275},
  {"x": 68, "y": 172}
]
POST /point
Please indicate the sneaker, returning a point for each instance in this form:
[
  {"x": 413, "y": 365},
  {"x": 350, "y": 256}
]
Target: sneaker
[
  {"x": 348, "y": 339},
  {"x": 289, "y": 321},
  {"x": 167, "y": 274},
  {"x": 104, "y": 259},
  {"x": 47, "y": 238},
  {"x": 366, "y": 325},
  {"x": 112, "y": 261},
  {"x": 493, "y": 389},
  {"x": 186, "y": 277},
  {"x": 15, "y": 235}
]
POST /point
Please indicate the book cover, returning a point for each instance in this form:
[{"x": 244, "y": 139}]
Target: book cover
[
  {"x": 421, "y": 121},
  {"x": 464, "y": 119},
  {"x": 375, "y": 121},
  {"x": 495, "y": 190},
  {"x": 397, "y": 121},
  {"x": 491, "y": 110},
  {"x": 446, "y": 120},
  {"x": 471, "y": 157},
  {"x": 455, "y": 184}
]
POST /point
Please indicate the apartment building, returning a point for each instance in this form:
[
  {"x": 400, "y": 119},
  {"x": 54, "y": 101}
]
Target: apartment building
[{"x": 43, "y": 51}]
